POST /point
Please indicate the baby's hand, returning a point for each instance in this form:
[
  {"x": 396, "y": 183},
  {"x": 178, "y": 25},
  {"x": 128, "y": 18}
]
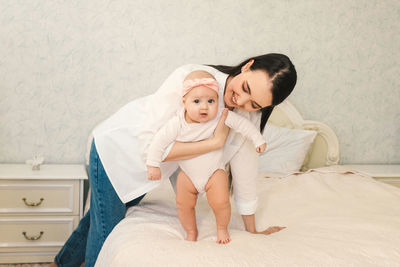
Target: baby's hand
[
  {"x": 153, "y": 173},
  {"x": 261, "y": 149}
]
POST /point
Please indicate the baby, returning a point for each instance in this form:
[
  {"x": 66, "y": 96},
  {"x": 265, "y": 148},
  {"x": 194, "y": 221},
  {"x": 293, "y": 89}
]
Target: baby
[{"x": 204, "y": 173}]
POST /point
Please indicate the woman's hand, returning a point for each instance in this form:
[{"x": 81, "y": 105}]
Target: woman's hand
[
  {"x": 189, "y": 150},
  {"x": 271, "y": 230},
  {"x": 250, "y": 226},
  {"x": 221, "y": 132}
]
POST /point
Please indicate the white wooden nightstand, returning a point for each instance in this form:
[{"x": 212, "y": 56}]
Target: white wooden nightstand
[
  {"x": 39, "y": 209},
  {"x": 389, "y": 174}
]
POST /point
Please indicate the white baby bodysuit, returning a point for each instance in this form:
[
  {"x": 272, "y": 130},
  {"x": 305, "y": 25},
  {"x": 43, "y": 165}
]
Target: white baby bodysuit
[{"x": 200, "y": 168}]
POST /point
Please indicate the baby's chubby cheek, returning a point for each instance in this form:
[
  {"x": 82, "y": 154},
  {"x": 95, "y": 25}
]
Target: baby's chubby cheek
[{"x": 212, "y": 115}]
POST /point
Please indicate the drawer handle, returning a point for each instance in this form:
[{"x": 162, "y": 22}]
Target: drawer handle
[
  {"x": 31, "y": 204},
  {"x": 33, "y": 237}
]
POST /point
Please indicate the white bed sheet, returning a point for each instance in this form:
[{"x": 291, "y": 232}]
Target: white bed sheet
[{"x": 333, "y": 218}]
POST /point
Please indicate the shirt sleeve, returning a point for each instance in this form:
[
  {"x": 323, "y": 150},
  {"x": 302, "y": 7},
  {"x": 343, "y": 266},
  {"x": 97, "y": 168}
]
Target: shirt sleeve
[
  {"x": 244, "y": 168},
  {"x": 244, "y": 127},
  {"x": 161, "y": 141},
  {"x": 167, "y": 150},
  {"x": 161, "y": 106}
]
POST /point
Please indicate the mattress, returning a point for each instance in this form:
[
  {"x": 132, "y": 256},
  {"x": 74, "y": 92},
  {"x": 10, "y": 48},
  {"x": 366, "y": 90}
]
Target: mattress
[{"x": 334, "y": 217}]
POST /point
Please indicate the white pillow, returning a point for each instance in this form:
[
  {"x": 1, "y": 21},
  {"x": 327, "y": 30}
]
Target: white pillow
[{"x": 286, "y": 149}]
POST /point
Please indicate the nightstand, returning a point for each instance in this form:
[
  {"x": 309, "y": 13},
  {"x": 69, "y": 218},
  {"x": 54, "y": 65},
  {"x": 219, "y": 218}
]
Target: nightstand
[
  {"x": 39, "y": 209},
  {"x": 389, "y": 174}
]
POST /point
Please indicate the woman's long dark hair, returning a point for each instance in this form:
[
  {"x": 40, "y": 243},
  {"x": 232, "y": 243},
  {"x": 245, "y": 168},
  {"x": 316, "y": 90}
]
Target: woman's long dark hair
[{"x": 279, "y": 68}]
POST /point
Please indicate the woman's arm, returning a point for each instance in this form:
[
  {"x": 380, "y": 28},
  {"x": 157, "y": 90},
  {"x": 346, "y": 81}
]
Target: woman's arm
[
  {"x": 244, "y": 167},
  {"x": 183, "y": 151},
  {"x": 249, "y": 223}
]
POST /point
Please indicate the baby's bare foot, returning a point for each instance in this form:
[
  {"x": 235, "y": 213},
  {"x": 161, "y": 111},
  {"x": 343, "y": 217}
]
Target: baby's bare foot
[
  {"x": 191, "y": 235},
  {"x": 223, "y": 236}
]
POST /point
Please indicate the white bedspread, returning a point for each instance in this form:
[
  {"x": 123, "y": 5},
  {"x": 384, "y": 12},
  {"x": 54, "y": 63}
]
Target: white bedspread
[{"x": 333, "y": 218}]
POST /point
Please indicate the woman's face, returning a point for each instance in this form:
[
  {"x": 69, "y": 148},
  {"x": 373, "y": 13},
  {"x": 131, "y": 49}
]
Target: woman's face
[{"x": 249, "y": 90}]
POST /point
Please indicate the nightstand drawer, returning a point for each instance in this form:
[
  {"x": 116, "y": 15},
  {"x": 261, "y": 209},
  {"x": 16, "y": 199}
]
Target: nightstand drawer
[
  {"x": 39, "y": 196},
  {"x": 35, "y": 231}
]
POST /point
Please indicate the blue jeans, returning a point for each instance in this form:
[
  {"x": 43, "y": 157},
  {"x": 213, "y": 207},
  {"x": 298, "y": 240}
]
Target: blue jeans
[{"x": 106, "y": 211}]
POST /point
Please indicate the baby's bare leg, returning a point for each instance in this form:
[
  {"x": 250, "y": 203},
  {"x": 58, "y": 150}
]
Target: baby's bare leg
[
  {"x": 186, "y": 197},
  {"x": 218, "y": 198}
]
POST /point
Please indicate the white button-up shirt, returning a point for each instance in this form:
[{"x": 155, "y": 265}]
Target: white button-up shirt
[{"x": 122, "y": 142}]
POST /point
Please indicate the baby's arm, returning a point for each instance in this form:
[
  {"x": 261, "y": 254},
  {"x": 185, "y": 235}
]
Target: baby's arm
[
  {"x": 164, "y": 136},
  {"x": 247, "y": 129}
]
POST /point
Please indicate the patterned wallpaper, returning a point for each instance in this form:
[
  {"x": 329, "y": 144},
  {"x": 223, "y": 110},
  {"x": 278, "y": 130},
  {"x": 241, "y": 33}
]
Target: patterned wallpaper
[{"x": 67, "y": 65}]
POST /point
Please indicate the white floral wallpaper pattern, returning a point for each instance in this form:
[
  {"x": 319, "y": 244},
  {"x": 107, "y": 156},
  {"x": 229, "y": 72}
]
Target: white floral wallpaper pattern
[{"x": 67, "y": 65}]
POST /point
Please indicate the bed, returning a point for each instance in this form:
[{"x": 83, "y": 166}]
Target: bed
[{"x": 334, "y": 217}]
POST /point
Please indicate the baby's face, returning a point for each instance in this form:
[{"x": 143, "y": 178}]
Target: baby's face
[{"x": 201, "y": 104}]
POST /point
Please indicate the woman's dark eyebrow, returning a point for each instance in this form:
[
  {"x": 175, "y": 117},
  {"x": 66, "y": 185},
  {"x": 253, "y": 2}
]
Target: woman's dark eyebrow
[{"x": 248, "y": 87}]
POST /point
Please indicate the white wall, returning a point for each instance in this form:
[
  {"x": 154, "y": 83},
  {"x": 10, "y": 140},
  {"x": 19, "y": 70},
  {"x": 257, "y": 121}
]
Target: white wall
[{"x": 67, "y": 65}]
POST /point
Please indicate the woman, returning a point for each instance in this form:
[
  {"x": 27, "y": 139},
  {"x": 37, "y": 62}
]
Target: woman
[{"x": 117, "y": 170}]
